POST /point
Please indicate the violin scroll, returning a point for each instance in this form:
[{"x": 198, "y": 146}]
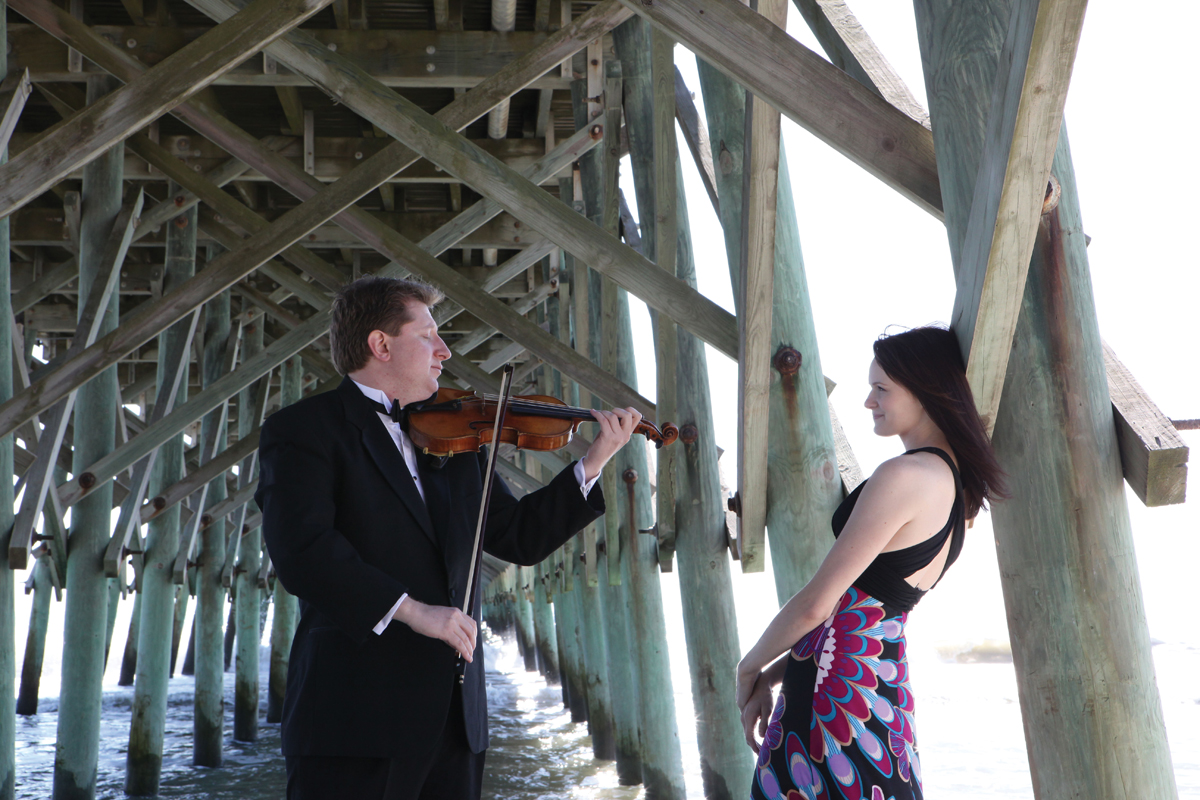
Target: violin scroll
[{"x": 660, "y": 436}]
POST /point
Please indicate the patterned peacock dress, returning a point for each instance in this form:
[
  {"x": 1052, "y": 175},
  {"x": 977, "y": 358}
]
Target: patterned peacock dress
[{"x": 842, "y": 728}]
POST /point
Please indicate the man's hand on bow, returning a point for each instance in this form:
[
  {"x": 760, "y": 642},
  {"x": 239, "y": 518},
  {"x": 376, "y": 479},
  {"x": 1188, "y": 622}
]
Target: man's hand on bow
[
  {"x": 450, "y": 625},
  {"x": 615, "y": 428}
]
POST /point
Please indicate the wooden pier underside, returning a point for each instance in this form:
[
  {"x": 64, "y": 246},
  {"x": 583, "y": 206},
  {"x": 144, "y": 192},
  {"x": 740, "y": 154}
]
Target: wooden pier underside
[{"x": 316, "y": 141}]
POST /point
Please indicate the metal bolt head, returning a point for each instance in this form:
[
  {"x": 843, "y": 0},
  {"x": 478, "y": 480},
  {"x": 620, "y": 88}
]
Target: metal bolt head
[
  {"x": 689, "y": 434},
  {"x": 430, "y": 50},
  {"x": 333, "y": 46},
  {"x": 131, "y": 43},
  {"x": 630, "y": 475},
  {"x": 430, "y": 67},
  {"x": 87, "y": 480},
  {"x": 358, "y": 155}
]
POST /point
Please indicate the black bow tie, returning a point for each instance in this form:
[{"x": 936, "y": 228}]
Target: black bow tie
[{"x": 400, "y": 414}]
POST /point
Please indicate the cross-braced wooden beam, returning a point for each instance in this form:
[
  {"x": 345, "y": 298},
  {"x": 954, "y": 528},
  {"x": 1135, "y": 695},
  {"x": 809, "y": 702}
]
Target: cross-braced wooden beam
[
  {"x": 77, "y": 141},
  {"x": 809, "y": 90},
  {"x": 148, "y": 319},
  {"x": 1022, "y": 133},
  {"x": 441, "y": 144}
]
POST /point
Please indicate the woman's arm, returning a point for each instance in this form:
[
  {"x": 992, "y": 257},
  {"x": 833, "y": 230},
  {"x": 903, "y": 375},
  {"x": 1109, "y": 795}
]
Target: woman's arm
[{"x": 891, "y": 499}]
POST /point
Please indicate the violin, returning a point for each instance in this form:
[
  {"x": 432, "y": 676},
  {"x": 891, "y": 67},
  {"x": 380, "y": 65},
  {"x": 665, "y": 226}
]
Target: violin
[{"x": 460, "y": 421}]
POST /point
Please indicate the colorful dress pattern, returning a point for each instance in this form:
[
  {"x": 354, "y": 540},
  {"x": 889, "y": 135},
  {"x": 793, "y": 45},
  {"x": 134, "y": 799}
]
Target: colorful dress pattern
[
  {"x": 850, "y": 736},
  {"x": 842, "y": 728}
]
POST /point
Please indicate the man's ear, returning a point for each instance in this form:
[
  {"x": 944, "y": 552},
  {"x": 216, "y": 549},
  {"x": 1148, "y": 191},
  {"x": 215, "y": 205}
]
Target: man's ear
[{"x": 377, "y": 343}]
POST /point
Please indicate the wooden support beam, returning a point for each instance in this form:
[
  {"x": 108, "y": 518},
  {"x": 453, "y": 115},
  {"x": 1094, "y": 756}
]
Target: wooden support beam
[
  {"x": 666, "y": 335},
  {"x": 216, "y": 394},
  {"x": 175, "y": 365},
  {"x": 696, "y": 136},
  {"x": 293, "y": 109},
  {"x": 439, "y": 142},
  {"x": 1011, "y": 189},
  {"x": 397, "y": 58},
  {"x": 760, "y": 187},
  {"x": 851, "y": 50},
  {"x": 149, "y": 319},
  {"x": 84, "y": 137},
  {"x": 13, "y": 94},
  {"x": 1153, "y": 455},
  {"x": 813, "y": 93},
  {"x": 91, "y": 318},
  {"x": 181, "y": 490}
]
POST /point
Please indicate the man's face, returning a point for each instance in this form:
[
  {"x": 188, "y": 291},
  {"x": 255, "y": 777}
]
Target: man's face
[{"x": 414, "y": 356}]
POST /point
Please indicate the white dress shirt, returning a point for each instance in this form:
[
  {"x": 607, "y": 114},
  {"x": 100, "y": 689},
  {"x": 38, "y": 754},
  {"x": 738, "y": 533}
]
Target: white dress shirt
[{"x": 409, "y": 453}]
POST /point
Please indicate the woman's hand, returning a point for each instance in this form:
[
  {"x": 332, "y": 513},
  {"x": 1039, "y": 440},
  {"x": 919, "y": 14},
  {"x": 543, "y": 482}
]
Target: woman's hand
[
  {"x": 756, "y": 713},
  {"x": 747, "y": 678}
]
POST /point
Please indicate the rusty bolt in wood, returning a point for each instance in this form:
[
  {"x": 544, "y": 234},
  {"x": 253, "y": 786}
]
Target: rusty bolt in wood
[
  {"x": 86, "y": 481},
  {"x": 689, "y": 434},
  {"x": 787, "y": 360}
]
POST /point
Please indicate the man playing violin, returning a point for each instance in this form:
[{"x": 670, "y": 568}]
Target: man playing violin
[{"x": 376, "y": 540}]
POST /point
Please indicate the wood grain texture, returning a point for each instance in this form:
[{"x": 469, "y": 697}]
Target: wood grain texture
[
  {"x": 145, "y": 322},
  {"x": 696, "y": 136},
  {"x": 760, "y": 189},
  {"x": 1023, "y": 125},
  {"x": 1154, "y": 456},
  {"x": 813, "y": 93},
  {"x": 435, "y": 140},
  {"x": 76, "y": 141},
  {"x": 852, "y": 50},
  {"x": 666, "y": 223}
]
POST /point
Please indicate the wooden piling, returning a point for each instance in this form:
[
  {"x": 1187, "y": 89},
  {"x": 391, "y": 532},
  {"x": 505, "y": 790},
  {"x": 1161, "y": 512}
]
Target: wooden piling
[
  {"x": 662, "y": 759},
  {"x": 595, "y": 660},
  {"x": 598, "y": 176},
  {"x": 77, "y": 750},
  {"x": 705, "y": 585},
  {"x": 129, "y": 655},
  {"x": 1085, "y": 678},
  {"x": 247, "y": 595},
  {"x": 803, "y": 487},
  {"x": 8, "y": 623},
  {"x": 209, "y": 701},
  {"x": 114, "y": 598},
  {"x": 525, "y": 632},
  {"x": 544, "y": 623},
  {"x": 182, "y": 598},
  {"x": 155, "y": 656},
  {"x": 283, "y": 624},
  {"x": 189, "y": 653},
  {"x": 35, "y": 640},
  {"x": 566, "y": 617}
]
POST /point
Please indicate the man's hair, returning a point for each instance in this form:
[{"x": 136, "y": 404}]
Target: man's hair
[{"x": 371, "y": 304}]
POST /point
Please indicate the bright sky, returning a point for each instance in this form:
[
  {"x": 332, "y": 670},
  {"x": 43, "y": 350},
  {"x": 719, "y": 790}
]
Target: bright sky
[{"x": 873, "y": 259}]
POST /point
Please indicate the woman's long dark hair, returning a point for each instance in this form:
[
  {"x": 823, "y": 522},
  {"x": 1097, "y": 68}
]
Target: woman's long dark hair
[{"x": 928, "y": 362}]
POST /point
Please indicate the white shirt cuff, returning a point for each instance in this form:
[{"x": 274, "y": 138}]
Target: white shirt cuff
[
  {"x": 383, "y": 623},
  {"x": 581, "y": 478}
]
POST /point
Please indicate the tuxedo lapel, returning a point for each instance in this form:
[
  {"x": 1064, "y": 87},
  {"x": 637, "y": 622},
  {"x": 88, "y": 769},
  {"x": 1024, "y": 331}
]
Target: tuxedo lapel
[{"x": 383, "y": 451}]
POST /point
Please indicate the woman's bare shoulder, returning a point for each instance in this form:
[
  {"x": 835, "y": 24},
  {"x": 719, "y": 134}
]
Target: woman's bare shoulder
[{"x": 924, "y": 473}]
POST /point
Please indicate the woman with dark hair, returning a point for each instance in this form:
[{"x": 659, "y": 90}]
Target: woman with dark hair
[{"x": 843, "y": 723}]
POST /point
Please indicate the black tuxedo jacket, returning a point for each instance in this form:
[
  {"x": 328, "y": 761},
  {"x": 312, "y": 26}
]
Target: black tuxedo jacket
[{"x": 348, "y": 534}]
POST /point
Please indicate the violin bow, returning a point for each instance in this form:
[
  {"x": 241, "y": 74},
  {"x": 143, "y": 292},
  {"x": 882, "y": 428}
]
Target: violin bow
[{"x": 489, "y": 480}]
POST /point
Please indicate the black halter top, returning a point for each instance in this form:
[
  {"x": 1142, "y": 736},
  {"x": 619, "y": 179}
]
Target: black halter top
[{"x": 884, "y": 578}]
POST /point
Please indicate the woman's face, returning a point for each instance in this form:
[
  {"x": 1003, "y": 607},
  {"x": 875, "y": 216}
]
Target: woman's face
[{"x": 895, "y": 409}]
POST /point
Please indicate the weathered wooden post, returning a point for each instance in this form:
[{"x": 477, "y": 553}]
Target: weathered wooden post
[
  {"x": 143, "y": 760},
  {"x": 35, "y": 640},
  {"x": 8, "y": 623},
  {"x": 597, "y": 689},
  {"x": 525, "y": 633},
  {"x": 705, "y": 586},
  {"x": 246, "y": 601},
  {"x": 544, "y": 629},
  {"x": 598, "y": 176},
  {"x": 662, "y": 759},
  {"x": 803, "y": 486},
  {"x": 182, "y": 598},
  {"x": 706, "y": 589},
  {"x": 86, "y": 619},
  {"x": 283, "y": 623},
  {"x": 209, "y": 701},
  {"x": 1093, "y": 719},
  {"x": 129, "y": 656}
]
